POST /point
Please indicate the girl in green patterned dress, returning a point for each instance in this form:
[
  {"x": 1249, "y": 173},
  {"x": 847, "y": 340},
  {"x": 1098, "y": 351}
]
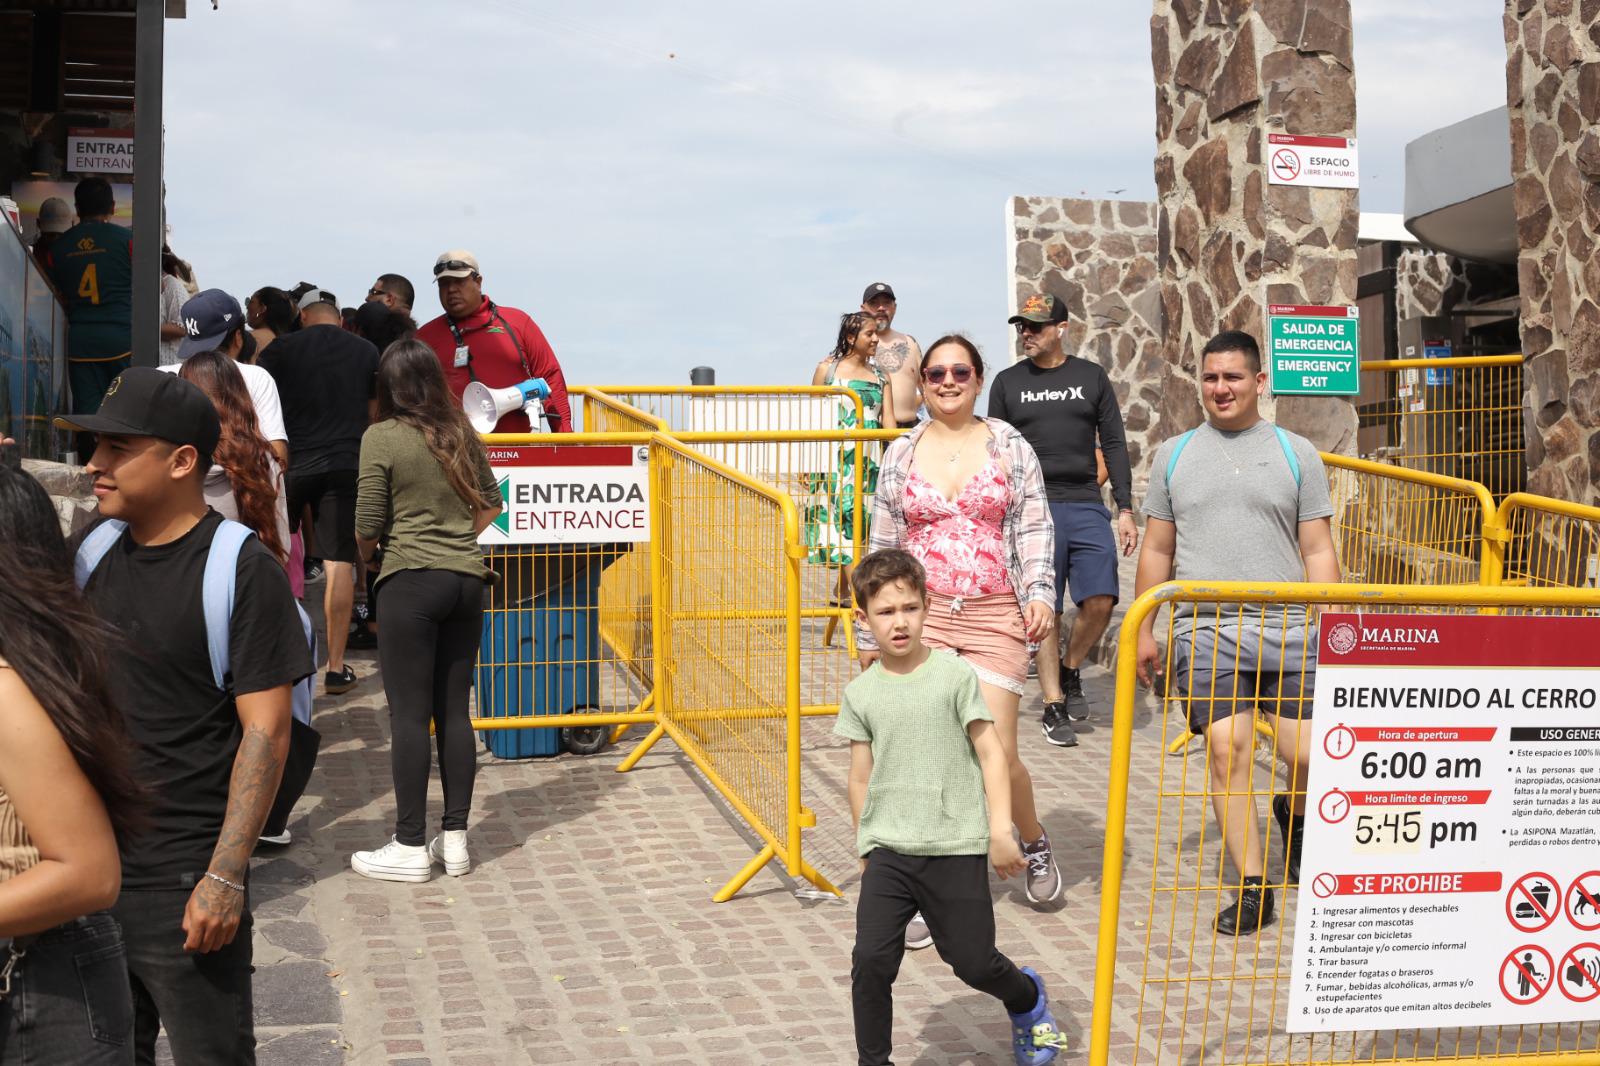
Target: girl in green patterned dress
[{"x": 829, "y": 519}]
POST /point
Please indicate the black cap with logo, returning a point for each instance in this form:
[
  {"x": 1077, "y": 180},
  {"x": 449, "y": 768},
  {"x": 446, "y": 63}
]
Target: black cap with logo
[
  {"x": 877, "y": 288},
  {"x": 144, "y": 402}
]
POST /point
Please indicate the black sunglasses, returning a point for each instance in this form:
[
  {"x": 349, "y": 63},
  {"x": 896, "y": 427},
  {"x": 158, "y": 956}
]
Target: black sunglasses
[
  {"x": 1031, "y": 327},
  {"x": 375, "y": 292},
  {"x": 961, "y": 373},
  {"x": 453, "y": 264}
]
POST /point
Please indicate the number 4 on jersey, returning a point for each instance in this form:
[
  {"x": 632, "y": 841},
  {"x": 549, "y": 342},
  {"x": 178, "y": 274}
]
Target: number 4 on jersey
[{"x": 89, "y": 285}]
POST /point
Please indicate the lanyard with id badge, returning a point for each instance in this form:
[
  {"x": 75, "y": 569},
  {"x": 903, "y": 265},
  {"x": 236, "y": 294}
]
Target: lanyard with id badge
[{"x": 463, "y": 357}]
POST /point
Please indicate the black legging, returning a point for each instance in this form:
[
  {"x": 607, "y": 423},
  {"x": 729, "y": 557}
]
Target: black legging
[{"x": 432, "y": 621}]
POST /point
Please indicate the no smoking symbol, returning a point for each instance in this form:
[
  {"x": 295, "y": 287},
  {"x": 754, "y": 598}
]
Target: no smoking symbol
[
  {"x": 1527, "y": 974},
  {"x": 1340, "y": 742},
  {"x": 1533, "y": 902},
  {"x": 1286, "y": 164}
]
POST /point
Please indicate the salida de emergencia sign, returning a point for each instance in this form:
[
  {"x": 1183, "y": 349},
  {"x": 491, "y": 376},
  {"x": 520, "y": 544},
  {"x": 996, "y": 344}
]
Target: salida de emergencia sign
[
  {"x": 1314, "y": 162},
  {"x": 1451, "y": 871},
  {"x": 566, "y": 494},
  {"x": 1314, "y": 350}
]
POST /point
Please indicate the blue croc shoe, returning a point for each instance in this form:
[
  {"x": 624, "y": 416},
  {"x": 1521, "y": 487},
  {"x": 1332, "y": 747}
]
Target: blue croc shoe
[{"x": 1034, "y": 1035}]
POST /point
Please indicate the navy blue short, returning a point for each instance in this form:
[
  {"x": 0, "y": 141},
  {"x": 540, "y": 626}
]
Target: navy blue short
[{"x": 1086, "y": 552}]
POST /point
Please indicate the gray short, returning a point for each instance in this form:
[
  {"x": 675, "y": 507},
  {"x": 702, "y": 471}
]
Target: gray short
[{"x": 1219, "y": 671}]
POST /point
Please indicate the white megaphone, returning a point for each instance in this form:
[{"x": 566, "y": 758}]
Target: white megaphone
[{"x": 485, "y": 406}]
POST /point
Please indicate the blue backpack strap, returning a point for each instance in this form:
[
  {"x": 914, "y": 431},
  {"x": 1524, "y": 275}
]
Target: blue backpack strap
[
  {"x": 216, "y": 591},
  {"x": 93, "y": 548},
  {"x": 1288, "y": 453},
  {"x": 1177, "y": 450}
]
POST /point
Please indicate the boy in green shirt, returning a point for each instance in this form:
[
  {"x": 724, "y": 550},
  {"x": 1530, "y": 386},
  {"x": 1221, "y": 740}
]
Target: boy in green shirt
[{"x": 931, "y": 796}]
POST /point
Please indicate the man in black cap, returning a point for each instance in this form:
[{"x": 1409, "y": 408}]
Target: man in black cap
[
  {"x": 214, "y": 322},
  {"x": 327, "y": 378},
  {"x": 1066, "y": 407},
  {"x": 210, "y": 757},
  {"x": 898, "y": 355}
]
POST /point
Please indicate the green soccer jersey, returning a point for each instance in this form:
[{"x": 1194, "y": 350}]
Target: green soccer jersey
[{"x": 92, "y": 266}]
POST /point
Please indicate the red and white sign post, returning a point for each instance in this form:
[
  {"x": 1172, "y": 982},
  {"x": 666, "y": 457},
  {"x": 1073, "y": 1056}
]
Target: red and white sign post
[{"x": 1448, "y": 875}]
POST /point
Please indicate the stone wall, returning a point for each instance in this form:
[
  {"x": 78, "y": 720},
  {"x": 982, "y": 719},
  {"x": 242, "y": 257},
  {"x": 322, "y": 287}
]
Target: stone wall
[
  {"x": 1227, "y": 73},
  {"x": 1434, "y": 283},
  {"x": 1553, "y": 93},
  {"x": 1099, "y": 256}
]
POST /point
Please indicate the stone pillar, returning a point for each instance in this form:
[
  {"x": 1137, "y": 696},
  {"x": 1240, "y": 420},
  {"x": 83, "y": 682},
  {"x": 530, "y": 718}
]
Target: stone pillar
[
  {"x": 1553, "y": 94},
  {"x": 1227, "y": 73}
]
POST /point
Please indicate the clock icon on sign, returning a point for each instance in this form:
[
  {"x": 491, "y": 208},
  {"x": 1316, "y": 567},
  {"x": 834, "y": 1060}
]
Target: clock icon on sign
[{"x": 1340, "y": 742}]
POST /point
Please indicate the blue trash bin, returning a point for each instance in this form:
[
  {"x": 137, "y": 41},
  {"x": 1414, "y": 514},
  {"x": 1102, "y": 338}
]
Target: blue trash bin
[{"x": 539, "y": 659}]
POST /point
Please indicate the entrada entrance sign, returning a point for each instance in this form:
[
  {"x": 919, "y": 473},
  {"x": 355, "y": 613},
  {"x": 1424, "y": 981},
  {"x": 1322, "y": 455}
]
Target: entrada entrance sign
[{"x": 1313, "y": 350}]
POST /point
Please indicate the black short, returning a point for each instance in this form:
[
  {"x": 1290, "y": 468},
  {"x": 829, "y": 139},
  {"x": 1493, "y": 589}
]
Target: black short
[{"x": 331, "y": 495}]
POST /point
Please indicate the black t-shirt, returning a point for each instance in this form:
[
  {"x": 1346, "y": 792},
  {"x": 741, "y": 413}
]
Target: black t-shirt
[
  {"x": 325, "y": 377},
  {"x": 1062, "y": 411},
  {"x": 185, "y": 729}
]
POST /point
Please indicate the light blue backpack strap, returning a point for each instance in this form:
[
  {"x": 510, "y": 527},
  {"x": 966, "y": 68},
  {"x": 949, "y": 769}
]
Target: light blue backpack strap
[
  {"x": 216, "y": 592},
  {"x": 1177, "y": 450},
  {"x": 301, "y": 695},
  {"x": 1288, "y": 452},
  {"x": 93, "y": 548}
]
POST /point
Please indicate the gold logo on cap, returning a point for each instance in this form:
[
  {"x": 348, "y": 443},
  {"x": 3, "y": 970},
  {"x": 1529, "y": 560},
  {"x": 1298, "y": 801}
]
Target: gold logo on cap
[{"x": 1035, "y": 303}]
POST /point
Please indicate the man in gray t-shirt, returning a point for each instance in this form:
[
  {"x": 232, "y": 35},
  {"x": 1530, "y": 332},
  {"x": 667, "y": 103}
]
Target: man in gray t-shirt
[{"x": 1239, "y": 499}]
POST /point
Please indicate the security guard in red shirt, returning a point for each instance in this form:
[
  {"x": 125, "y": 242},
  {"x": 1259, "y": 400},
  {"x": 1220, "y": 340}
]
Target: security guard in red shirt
[{"x": 478, "y": 340}]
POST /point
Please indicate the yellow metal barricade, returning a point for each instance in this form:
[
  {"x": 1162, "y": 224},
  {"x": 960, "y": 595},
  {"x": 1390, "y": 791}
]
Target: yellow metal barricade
[
  {"x": 1167, "y": 987},
  {"x": 1457, "y": 417},
  {"x": 1398, "y": 526},
  {"x": 727, "y": 624},
  {"x": 1550, "y": 543}
]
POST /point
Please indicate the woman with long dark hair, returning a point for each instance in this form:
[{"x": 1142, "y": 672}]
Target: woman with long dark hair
[
  {"x": 66, "y": 795},
  {"x": 425, "y": 491},
  {"x": 829, "y": 523},
  {"x": 269, "y": 315},
  {"x": 244, "y": 482}
]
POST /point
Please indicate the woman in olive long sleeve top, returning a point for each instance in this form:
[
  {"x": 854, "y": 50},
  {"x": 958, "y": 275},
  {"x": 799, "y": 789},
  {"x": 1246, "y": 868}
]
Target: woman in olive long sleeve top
[{"x": 425, "y": 491}]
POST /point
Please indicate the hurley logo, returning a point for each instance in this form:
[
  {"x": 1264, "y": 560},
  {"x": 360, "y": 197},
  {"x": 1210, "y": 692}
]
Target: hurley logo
[{"x": 1071, "y": 392}]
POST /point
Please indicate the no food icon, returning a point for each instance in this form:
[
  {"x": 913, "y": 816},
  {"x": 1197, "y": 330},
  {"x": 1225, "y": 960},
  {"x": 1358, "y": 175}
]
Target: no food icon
[{"x": 1533, "y": 902}]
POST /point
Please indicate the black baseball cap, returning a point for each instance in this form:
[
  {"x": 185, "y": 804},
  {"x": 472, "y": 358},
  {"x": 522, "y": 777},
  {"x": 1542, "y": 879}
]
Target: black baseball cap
[
  {"x": 877, "y": 288},
  {"x": 144, "y": 402},
  {"x": 208, "y": 317}
]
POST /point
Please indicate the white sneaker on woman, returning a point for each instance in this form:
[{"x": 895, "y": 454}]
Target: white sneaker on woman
[
  {"x": 449, "y": 849},
  {"x": 393, "y": 862}
]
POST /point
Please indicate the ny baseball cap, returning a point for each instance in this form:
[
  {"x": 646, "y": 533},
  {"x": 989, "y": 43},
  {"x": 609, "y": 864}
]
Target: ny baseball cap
[
  {"x": 144, "y": 402},
  {"x": 456, "y": 263},
  {"x": 877, "y": 288},
  {"x": 1042, "y": 307},
  {"x": 318, "y": 296},
  {"x": 208, "y": 317},
  {"x": 55, "y": 216}
]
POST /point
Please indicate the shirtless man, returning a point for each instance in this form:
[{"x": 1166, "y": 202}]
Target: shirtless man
[{"x": 898, "y": 355}]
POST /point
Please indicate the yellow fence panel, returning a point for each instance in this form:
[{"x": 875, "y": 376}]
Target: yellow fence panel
[
  {"x": 1404, "y": 527},
  {"x": 1457, "y": 417},
  {"x": 1550, "y": 543},
  {"x": 1169, "y": 989},
  {"x": 727, "y": 603}
]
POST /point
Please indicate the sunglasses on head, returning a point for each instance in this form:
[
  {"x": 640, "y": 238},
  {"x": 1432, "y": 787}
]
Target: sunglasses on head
[
  {"x": 1032, "y": 327},
  {"x": 961, "y": 373},
  {"x": 452, "y": 264}
]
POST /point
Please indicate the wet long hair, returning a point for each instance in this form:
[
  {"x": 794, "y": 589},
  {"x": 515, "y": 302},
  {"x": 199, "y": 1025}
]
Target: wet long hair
[
  {"x": 850, "y": 325},
  {"x": 59, "y": 647},
  {"x": 411, "y": 389},
  {"x": 242, "y": 452}
]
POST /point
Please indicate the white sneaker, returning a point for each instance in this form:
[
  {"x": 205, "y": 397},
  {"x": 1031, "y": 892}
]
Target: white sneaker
[
  {"x": 917, "y": 935},
  {"x": 449, "y": 849},
  {"x": 393, "y": 862}
]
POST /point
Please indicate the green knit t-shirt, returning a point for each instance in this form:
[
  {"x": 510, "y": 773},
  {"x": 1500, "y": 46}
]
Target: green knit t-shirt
[
  {"x": 404, "y": 498},
  {"x": 926, "y": 794}
]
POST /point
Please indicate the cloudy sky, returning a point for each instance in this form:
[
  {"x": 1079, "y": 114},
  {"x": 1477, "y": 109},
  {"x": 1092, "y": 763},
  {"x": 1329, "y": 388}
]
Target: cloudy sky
[{"x": 668, "y": 185}]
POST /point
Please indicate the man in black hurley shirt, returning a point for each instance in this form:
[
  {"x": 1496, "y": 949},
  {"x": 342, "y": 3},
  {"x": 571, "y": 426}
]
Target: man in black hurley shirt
[
  {"x": 327, "y": 379},
  {"x": 210, "y": 757},
  {"x": 1062, "y": 405}
]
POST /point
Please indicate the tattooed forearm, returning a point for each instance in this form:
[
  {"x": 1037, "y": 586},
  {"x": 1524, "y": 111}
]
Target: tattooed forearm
[{"x": 256, "y": 772}]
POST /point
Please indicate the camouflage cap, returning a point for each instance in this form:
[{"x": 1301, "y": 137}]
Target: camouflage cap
[{"x": 1041, "y": 307}]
